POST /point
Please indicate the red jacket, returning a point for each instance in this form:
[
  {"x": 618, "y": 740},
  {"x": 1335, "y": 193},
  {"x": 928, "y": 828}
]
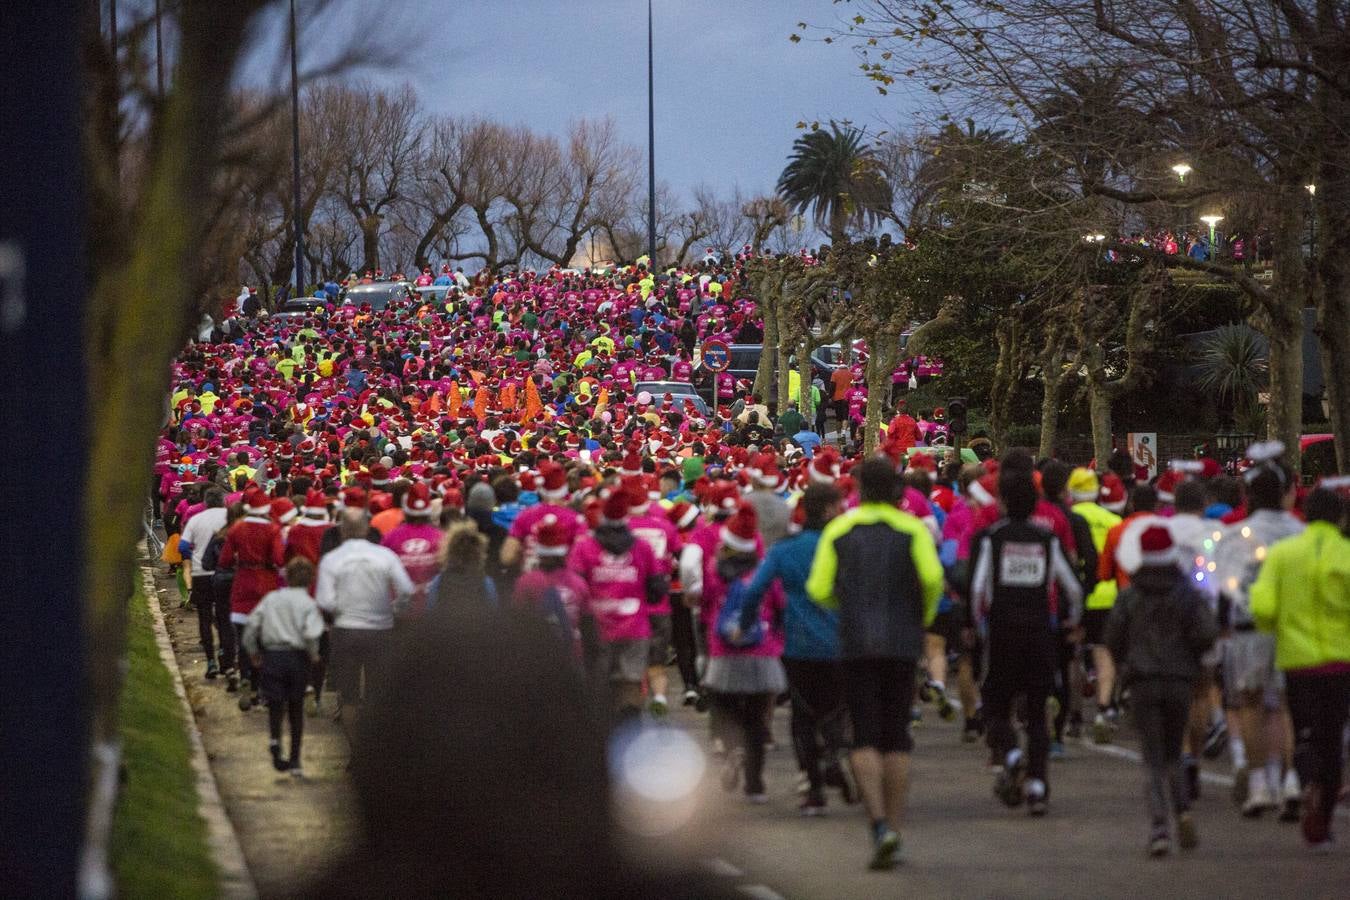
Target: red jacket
[{"x": 253, "y": 548}]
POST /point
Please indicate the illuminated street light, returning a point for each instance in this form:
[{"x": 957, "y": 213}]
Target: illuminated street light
[
  {"x": 1182, "y": 170},
  {"x": 1211, "y": 220},
  {"x": 1312, "y": 189},
  {"x": 1094, "y": 238}
]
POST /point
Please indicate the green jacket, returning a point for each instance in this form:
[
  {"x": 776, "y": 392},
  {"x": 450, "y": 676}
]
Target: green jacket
[{"x": 1302, "y": 595}]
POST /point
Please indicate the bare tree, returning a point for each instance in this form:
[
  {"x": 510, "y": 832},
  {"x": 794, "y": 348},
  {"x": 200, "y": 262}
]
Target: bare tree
[{"x": 378, "y": 146}]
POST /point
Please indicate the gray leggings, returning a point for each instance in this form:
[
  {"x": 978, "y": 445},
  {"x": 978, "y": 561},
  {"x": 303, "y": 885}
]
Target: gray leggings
[{"x": 1161, "y": 708}]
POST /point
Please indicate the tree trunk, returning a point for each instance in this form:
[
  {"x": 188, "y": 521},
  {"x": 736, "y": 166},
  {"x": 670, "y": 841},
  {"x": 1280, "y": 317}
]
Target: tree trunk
[
  {"x": 1004, "y": 382},
  {"x": 805, "y": 405},
  {"x": 786, "y": 341},
  {"x": 370, "y": 242},
  {"x": 1331, "y": 220},
  {"x": 1282, "y": 323},
  {"x": 764, "y": 373},
  {"x": 879, "y": 367},
  {"x": 1049, "y": 419},
  {"x": 1099, "y": 408}
]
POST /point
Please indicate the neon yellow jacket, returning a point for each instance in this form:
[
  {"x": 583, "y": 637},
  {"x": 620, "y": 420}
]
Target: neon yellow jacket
[
  {"x": 1302, "y": 595},
  {"x": 1100, "y": 520}
]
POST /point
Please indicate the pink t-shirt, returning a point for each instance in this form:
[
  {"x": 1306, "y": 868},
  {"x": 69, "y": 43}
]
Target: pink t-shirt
[
  {"x": 617, "y": 586},
  {"x": 664, "y": 539},
  {"x": 522, "y": 529},
  {"x": 416, "y": 545},
  {"x": 532, "y": 588}
]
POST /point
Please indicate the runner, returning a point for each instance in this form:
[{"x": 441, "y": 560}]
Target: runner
[{"x": 879, "y": 568}]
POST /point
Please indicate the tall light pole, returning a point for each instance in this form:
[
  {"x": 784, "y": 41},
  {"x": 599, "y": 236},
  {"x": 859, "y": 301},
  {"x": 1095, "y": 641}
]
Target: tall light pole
[
  {"x": 651, "y": 150},
  {"x": 159, "y": 53},
  {"x": 295, "y": 164}
]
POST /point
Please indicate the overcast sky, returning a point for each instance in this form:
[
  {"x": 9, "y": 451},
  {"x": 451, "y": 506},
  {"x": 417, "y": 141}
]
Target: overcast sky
[{"x": 729, "y": 84}]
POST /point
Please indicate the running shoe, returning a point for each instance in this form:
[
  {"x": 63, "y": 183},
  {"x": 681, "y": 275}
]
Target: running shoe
[
  {"x": 916, "y": 714},
  {"x": 840, "y": 776},
  {"x": 246, "y": 701},
  {"x": 813, "y": 806},
  {"x": 1008, "y": 785},
  {"x": 690, "y": 697},
  {"x": 1260, "y": 797},
  {"x": 946, "y": 708},
  {"x": 972, "y": 730},
  {"x": 1191, "y": 769},
  {"x": 278, "y": 763},
  {"x": 757, "y": 799},
  {"x": 1037, "y": 804},
  {"x": 1102, "y": 730},
  {"x": 928, "y": 691},
  {"x": 1188, "y": 838},
  {"x": 1216, "y": 739},
  {"x": 885, "y": 851},
  {"x": 231, "y": 681},
  {"x": 658, "y": 707},
  {"x": 1159, "y": 843},
  {"x": 313, "y": 707},
  {"x": 212, "y": 670},
  {"x": 1291, "y": 796},
  {"x": 1057, "y": 750},
  {"x": 296, "y": 772}
]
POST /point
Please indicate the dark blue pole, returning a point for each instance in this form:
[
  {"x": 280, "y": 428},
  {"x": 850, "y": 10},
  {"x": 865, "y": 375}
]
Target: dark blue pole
[{"x": 44, "y": 724}]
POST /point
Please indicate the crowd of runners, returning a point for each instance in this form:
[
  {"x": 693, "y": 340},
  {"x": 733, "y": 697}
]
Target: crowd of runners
[{"x": 336, "y": 478}]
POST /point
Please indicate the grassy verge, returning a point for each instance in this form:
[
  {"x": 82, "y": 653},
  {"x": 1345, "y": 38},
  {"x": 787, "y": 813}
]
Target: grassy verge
[{"x": 159, "y": 846}]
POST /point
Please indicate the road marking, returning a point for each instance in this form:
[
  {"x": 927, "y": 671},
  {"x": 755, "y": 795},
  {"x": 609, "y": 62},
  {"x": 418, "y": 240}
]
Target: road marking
[
  {"x": 722, "y": 868},
  {"x": 1207, "y": 777},
  {"x": 760, "y": 892}
]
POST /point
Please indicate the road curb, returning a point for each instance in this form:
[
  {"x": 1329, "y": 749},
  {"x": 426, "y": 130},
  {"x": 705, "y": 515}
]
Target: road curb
[{"x": 236, "y": 882}]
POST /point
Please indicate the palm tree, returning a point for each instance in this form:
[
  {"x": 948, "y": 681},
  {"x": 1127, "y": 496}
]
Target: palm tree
[
  {"x": 1233, "y": 362},
  {"x": 839, "y": 178}
]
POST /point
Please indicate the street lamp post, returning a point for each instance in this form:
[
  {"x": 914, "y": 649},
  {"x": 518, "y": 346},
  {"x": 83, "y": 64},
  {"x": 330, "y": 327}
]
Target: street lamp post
[
  {"x": 295, "y": 163},
  {"x": 651, "y": 149},
  {"x": 1211, "y": 220},
  {"x": 1182, "y": 169},
  {"x": 1312, "y": 221}
]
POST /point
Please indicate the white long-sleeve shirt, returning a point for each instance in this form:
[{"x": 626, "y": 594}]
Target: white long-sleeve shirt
[
  {"x": 359, "y": 583},
  {"x": 285, "y": 619}
]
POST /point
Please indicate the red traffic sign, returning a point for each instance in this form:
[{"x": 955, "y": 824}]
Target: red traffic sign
[{"x": 716, "y": 355}]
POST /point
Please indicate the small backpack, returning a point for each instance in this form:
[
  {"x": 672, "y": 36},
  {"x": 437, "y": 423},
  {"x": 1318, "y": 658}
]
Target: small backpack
[{"x": 733, "y": 611}]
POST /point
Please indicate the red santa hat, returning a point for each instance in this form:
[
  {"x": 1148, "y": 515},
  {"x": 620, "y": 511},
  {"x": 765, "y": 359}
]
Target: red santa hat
[
  {"x": 379, "y": 475},
  {"x": 417, "y": 502},
  {"x": 316, "y": 505},
  {"x": 740, "y": 530},
  {"x": 763, "y": 468},
  {"x": 615, "y": 510},
  {"x": 354, "y": 498},
  {"x": 1156, "y": 547},
  {"x": 632, "y": 464},
  {"x": 552, "y": 481},
  {"x": 682, "y": 514},
  {"x": 550, "y": 537},
  {"x": 1113, "y": 492},
  {"x": 1167, "y": 485},
  {"x": 824, "y": 468},
  {"x": 282, "y": 510},
  {"x": 256, "y": 503},
  {"x": 984, "y": 490}
]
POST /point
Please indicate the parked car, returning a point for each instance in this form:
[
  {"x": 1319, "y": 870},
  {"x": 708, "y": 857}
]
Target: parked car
[
  {"x": 680, "y": 391},
  {"x": 378, "y": 294},
  {"x": 433, "y": 293}
]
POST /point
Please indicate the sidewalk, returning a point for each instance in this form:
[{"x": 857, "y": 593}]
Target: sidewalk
[{"x": 290, "y": 830}]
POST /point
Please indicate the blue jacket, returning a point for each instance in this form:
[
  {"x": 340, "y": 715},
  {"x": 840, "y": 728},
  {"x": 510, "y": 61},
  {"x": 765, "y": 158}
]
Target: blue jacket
[{"x": 812, "y": 631}]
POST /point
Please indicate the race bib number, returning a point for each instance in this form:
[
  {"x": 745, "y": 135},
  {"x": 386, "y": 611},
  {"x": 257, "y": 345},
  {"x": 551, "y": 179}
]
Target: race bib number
[{"x": 1022, "y": 565}]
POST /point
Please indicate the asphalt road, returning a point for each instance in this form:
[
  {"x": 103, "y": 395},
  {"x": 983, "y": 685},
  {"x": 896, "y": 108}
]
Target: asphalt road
[{"x": 959, "y": 841}]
